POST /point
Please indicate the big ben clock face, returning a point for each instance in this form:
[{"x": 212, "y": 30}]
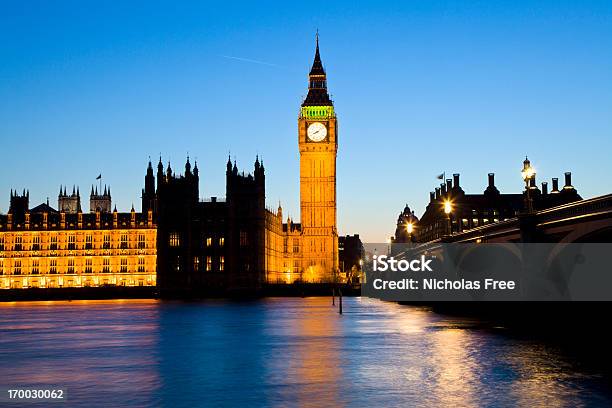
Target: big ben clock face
[{"x": 316, "y": 131}]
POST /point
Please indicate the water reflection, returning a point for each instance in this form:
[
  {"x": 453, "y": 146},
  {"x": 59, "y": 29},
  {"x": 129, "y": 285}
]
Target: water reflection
[
  {"x": 307, "y": 349},
  {"x": 275, "y": 352}
]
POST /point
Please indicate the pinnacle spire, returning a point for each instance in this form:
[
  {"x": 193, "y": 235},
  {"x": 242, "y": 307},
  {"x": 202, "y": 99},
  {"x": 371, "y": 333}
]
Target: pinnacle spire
[
  {"x": 317, "y": 65},
  {"x": 317, "y": 85}
]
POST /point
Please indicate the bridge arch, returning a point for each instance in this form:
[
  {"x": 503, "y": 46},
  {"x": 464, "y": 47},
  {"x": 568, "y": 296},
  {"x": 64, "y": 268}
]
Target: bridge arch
[{"x": 590, "y": 232}]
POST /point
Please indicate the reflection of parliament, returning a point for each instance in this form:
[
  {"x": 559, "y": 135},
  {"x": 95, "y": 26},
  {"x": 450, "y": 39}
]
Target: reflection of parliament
[{"x": 179, "y": 241}]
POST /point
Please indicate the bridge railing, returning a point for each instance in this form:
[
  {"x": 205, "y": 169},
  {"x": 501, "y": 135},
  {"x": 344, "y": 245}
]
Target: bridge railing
[{"x": 589, "y": 206}]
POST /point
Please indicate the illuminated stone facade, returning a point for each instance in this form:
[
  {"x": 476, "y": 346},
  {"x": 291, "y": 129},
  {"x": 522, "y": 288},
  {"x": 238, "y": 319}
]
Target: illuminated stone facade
[
  {"x": 45, "y": 248},
  {"x": 308, "y": 251}
]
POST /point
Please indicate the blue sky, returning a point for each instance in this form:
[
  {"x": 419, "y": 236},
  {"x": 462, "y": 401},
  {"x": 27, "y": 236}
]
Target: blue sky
[{"x": 420, "y": 87}]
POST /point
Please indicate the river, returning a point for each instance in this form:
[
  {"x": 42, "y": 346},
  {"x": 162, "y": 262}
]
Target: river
[{"x": 279, "y": 352}]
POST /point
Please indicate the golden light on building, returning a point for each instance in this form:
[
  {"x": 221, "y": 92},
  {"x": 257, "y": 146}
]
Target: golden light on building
[
  {"x": 309, "y": 249},
  {"x": 59, "y": 250}
]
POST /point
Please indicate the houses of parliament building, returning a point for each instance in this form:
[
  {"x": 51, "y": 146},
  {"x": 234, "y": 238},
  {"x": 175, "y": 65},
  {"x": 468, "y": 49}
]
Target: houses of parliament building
[{"x": 179, "y": 242}]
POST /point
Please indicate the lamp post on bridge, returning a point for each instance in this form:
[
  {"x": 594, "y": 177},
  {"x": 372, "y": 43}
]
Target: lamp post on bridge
[
  {"x": 409, "y": 229},
  {"x": 448, "y": 208},
  {"x": 528, "y": 173}
]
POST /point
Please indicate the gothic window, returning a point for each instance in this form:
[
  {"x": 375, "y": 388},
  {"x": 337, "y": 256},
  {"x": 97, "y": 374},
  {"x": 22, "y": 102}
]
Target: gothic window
[
  {"x": 174, "y": 240},
  {"x": 17, "y": 267},
  {"x": 221, "y": 241},
  {"x": 141, "y": 241},
  {"x": 106, "y": 265},
  {"x": 221, "y": 263},
  {"x": 35, "y": 242},
  {"x": 208, "y": 263},
  {"x": 124, "y": 241},
  {"x": 1, "y": 267},
  {"x": 107, "y": 241},
  {"x": 244, "y": 239},
  {"x": 71, "y": 265},
  {"x": 196, "y": 263},
  {"x": 208, "y": 241},
  {"x": 53, "y": 266},
  {"x": 88, "y": 263},
  {"x": 71, "y": 242},
  {"x": 296, "y": 245},
  {"x": 124, "y": 265},
  {"x": 1, "y": 243},
  {"x": 18, "y": 243},
  {"x": 35, "y": 265},
  {"x": 141, "y": 264},
  {"x": 88, "y": 241},
  {"x": 53, "y": 244}
]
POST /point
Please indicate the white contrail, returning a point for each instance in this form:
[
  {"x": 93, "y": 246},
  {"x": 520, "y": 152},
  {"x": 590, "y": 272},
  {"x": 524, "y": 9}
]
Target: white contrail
[{"x": 249, "y": 60}]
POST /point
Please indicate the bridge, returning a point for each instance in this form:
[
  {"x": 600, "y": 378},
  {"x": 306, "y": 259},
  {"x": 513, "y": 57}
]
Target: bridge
[
  {"x": 582, "y": 221},
  {"x": 550, "y": 266}
]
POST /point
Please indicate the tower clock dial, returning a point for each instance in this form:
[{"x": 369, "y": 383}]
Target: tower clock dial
[{"x": 316, "y": 131}]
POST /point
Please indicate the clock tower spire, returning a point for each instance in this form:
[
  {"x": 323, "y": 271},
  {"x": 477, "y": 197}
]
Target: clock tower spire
[
  {"x": 317, "y": 83},
  {"x": 318, "y": 144}
]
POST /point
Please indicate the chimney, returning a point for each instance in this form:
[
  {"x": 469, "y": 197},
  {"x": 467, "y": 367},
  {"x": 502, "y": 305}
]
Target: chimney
[
  {"x": 544, "y": 188},
  {"x": 449, "y": 185},
  {"x": 437, "y": 193},
  {"x": 442, "y": 189},
  {"x": 456, "y": 180},
  {"x": 432, "y": 196},
  {"x": 491, "y": 179},
  {"x": 568, "y": 180},
  {"x": 555, "y": 186}
]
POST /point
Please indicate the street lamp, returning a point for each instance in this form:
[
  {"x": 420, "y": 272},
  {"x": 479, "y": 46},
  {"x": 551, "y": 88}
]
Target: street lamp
[
  {"x": 528, "y": 173},
  {"x": 448, "y": 208},
  {"x": 409, "y": 229}
]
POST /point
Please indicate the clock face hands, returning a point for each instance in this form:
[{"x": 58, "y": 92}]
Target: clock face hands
[{"x": 316, "y": 131}]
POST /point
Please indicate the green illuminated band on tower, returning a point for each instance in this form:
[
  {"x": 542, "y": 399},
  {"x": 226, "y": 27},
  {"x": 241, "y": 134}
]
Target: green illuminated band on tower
[{"x": 317, "y": 112}]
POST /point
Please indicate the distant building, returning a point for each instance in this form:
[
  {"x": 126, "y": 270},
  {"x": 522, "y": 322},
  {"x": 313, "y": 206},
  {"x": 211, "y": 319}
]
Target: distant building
[
  {"x": 474, "y": 210},
  {"x": 45, "y": 248},
  {"x": 100, "y": 202},
  {"x": 351, "y": 253},
  {"x": 70, "y": 204}
]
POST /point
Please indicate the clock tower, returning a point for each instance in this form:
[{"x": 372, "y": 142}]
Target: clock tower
[{"x": 318, "y": 144}]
